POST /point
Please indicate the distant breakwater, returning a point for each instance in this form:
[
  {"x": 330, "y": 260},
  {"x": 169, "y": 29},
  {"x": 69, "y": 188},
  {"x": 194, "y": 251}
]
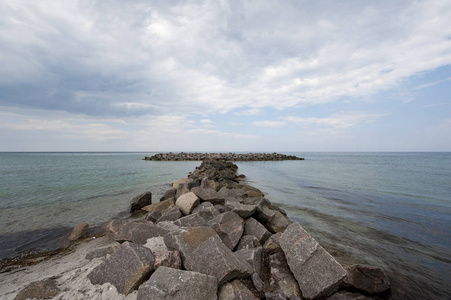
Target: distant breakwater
[{"x": 223, "y": 156}]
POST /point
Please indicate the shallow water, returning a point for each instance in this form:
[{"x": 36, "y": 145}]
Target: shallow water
[{"x": 391, "y": 210}]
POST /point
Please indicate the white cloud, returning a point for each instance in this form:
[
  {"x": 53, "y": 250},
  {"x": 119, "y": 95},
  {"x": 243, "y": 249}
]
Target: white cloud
[
  {"x": 269, "y": 124},
  {"x": 341, "y": 120}
]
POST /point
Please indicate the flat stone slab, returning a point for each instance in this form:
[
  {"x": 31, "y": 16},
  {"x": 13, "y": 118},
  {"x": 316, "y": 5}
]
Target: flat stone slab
[
  {"x": 187, "y": 202},
  {"x": 212, "y": 257},
  {"x": 208, "y": 195},
  {"x": 366, "y": 278},
  {"x": 172, "y": 284},
  {"x": 230, "y": 228},
  {"x": 133, "y": 231},
  {"x": 126, "y": 268},
  {"x": 316, "y": 271},
  {"x": 40, "y": 290},
  {"x": 243, "y": 210},
  {"x": 159, "y": 206}
]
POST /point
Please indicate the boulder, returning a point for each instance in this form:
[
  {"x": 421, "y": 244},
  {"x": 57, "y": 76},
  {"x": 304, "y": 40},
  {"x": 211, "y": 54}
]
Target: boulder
[
  {"x": 316, "y": 271},
  {"x": 255, "y": 228},
  {"x": 39, "y": 289},
  {"x": 207, "y": 211},
  {"x": 79, "y": 231},
  {"x": 134, "y": 231},
  {"x": 193, "y": 220},
  {"x": 168, "y": 283},
  {"x": 171, "y": 214},
  {"x": 235, "y": 290},
  {"x": 126, "y": 268},
  {"x": 188, "y": 240},
  {"x": 176, "y": 184},
  {"x": 276, "y": 295},
  {"x": 208, "y": 195},
  {"x": 247, "y": 242},
  {"x": 140, "y": 201},
  {"x": 102, "y": 252},
  {"x": 345, "y": 295},
  {"x": 170, "y": 259},
  {"x": 230, "y": 228},
  {"x": 273, "y": 243},
  {"x": 279, "y": 223},
  {"x": 160, "y": 206},
  {"x": 181, "y": 190},
  {"x": 212, "y": 257},
  {"x": 369, "y": 279},
  {"x": 169, "y": 194},
  {"x": 252, "y": 257},
  {"x": 281, "y": 278},
  {"x": 187, "y": 202},
  {"x": 243, "y": 210}
]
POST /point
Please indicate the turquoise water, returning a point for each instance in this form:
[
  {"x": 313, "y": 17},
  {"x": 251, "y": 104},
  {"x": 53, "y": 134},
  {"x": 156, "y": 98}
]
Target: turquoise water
[{"x": 391, "y": 210}]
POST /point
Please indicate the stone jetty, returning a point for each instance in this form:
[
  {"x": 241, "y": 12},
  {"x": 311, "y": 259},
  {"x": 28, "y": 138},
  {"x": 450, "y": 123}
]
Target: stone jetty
[
  {"x": 212, "y": 236},
  {"x": 224, "y": 156}
]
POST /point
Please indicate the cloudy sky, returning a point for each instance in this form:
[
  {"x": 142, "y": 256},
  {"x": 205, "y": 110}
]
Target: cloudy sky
[{"x": 225, "y": 75}]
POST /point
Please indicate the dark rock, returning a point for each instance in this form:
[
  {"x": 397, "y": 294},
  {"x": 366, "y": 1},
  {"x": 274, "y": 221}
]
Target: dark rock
[
  {"x": 244, "y": 211},
  {"x": 252, "y": 257},
  {"x": 229, "y": 227},
  {"x": 247, "y": 242},
  {"x": 193, "y": 220},
  {"x": 126, "y": 268},
  {"x": 169, "y": 194},
  {"x": 279, "y": 223},
  {"x": 181, "y": 190},
  {"x": 255, "y": 228},
  {"x": 40, "y": 290},
  {"x": 281, "y": 277},
  {"x": 168, "y": 283},
  {"x": 79, "y": 231},
  {"x": 366, "y": 278},
  {"x": 140, "y": 201},
  {"x": 257, "y": 282},
  {"x": 207, "y": 211},
  {"x": 345, "y": 295},
  {"x": 193, "y": 183},
  {"x": 176, "y": 184},
  {"x": 224, "y": 192},
  {"x": 208, "y": 195},
  {"x": 212, "y": 257},
  {"x": 102, "y": 252},
  {"x": 235, "y": 290},
  {"x": 316, "y": 271},
  {"x": 134, "y": 231},
  {"x": 277, "y": 295},
  {"x": 160, "y": 206},
  {"x": 171, "y": 214},
  {"x": 273, "y": 243},
  {"x": 187, "y": 202}
]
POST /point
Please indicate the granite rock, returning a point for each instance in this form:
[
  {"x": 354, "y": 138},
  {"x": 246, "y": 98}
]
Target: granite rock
[{"x": 140, "y": 201}]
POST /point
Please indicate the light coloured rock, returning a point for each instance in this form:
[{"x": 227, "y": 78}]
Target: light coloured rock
[
  {"x": 181, "y": 181},
  {"x": 316, "y": 271},
  {"x": 187, "y": 202},
  {"x": 172, "y": 284}
]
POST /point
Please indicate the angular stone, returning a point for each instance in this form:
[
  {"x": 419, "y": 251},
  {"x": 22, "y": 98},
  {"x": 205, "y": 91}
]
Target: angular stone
[
  {"x": 316, "y": 271},
  {"x": 187, "y": 202},
  {"x": 252, "y": 257},
  {"x": 273, "y": 243},
  {"x": 170, "y": 259},
  {"x": 276, "y": 295},
  {"x": 168, "y": 283},
  {"x": 279, "y": 223},
  {"x": 171, "y": 214},
  {"x": 366, "y": 278},
  {"x": 160, "y": 206},
  {"x": 79, "y": 231},
  {"x": 102, "y": 252},
  {"x": 255, "y": 228},
  {"x": 126, "y": 268},
  {"x": 235, "y": 290},
  {"x": 39, "y": 290},
  {"x": 156, "y": 245},
  {"x": 264, "y": 214},
  {"x": 140, "y": 201},
  {"x": 281, "y": 277},
  {"x": 243, "y": 210},
  {"x": 212, "y": 257},
  {"x": 207, "y": 211},
  {"x": 193, "y": 183},
  {"x": 231, "y": 193},
  {"x": 208, "y": 195},
  {"x": 345, "y": 295},
  {"x": 188, "y": 240},
  {"x": 181, "y": 190},
  {"x": 176, "y": 184},
  {"x": 251, "y": 191},
  {"x": 230, "y": 228},
  {"x": 247, "y": 242},
  {"x": 193, "y": 220},
  {"x": 169, "y": 194},
  {"x": 257, "y": 282},
  {"x": 134, "y": 231}
]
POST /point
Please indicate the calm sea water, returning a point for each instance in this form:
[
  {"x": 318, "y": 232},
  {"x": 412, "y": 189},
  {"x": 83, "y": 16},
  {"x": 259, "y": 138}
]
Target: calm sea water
[{"x": 392, "y": 210}]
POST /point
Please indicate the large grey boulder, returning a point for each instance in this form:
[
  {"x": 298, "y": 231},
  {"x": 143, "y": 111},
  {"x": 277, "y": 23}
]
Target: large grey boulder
[
  {"x": 159, "y": 206},
  {"x": 163, "y": 256},
  {"x": 316, "y": 271},
  {"x": 39, "y": 289},
  {"x": 253, "y": 257},
  {"x": 345, "y": 295},
  {"x": 366, "y": 278},
  {"x": 235, "y": 290},
  {"x": 181, "y": 190},
  {"x": 279, "y": 223},
  {"x": 207, "y": 211},
  {"x": 140, "y": 201},
  {"x": 243, "y": 210},
  {"x": 172, "y": 284},
  {"x": 134, "y": 231},
  {"x": 193, "y": 220},
  {"x": 230, "y": 228},
  {"x": 212, "y": 257},
  {"x": 255, "y": 228},
  {"x": 176, "y": 184},
  {"x": 187, "y": 202},
  {"x": 126, "y": 268},
  {"x": 208, "y": 195},
  {"x": 79, "y": 231},
  {"x": 248, "y": 242},
  {"x": 281, "y": 278},
  {"x": 171, "y": 214}
]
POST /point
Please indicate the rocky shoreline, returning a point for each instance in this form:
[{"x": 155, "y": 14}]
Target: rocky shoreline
[
  {"x": 224, "y": 156},
  {"x": 211, "y": 236}
]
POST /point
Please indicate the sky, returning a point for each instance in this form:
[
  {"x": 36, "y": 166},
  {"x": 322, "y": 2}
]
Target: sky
[{"x": 285, "y": 76}]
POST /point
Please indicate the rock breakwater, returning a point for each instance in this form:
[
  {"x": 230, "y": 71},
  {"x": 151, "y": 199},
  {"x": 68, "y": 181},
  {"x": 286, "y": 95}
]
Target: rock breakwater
[
  {"x": 212, "y": 236},
  {"x": 224, "y": 156}
]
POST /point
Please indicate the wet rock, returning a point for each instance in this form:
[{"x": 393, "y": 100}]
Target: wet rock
[
  {"x": 281, "y": 278},
  {"x": 140, "y": 201},
  {"x": 168, "y": 283},
  {"x": 79, "y": 231},
  {"x": 126, "y": 268},
  {"x": 134, "y": 231},
  {"x": 230, "y": 228},
  {"x": 187, "y": 202},
  {"x": 366, "y": 278},
  {"x": 316, "y": 271},
  {"x": 244, "y": 211},
  {"x": 212, "y": 257},
  {"x": 255, "y": 228},
  {"x": 171, "y": 214},
  {"x": 235, "y": 290},
  {"x": 102, "y": 252},
  {"x": 248, "y": 242},
  {"x": 40, "y": 290}
]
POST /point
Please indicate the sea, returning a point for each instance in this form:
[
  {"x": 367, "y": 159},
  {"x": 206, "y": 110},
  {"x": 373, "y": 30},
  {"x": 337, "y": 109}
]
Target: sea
[{"x": 390, "y": 210}]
